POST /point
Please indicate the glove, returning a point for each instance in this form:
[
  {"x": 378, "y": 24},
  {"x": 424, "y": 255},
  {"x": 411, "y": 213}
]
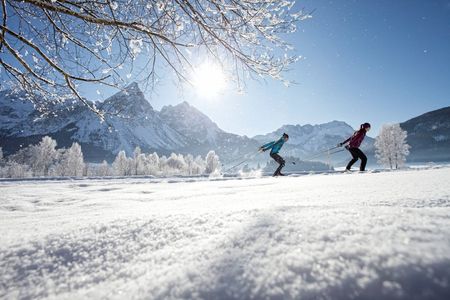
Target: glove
[
  {"x": 340, "y": 144},
  {"x": 261, "y": 149}
]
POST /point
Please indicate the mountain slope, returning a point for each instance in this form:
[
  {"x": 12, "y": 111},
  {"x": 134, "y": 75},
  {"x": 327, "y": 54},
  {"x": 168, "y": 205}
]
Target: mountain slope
[
  {"x": 429, "y": 136},
  {"x": 192, "y": 123},
  {"x": 205, "y": 135},
  {"x": 135, "y": 123},
  {"x": 131, "y": 122}
]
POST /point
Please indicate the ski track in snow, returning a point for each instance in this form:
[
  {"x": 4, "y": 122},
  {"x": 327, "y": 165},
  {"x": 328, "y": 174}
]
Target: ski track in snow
[{"x": 346, "y": 236}]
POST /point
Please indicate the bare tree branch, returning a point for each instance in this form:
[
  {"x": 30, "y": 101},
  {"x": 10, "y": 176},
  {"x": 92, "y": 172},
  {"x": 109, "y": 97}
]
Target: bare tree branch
[{"x": 59, "y": 44}]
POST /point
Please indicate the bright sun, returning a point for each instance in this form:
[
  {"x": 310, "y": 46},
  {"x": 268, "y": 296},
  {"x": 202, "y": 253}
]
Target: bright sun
[{"x": 209, "y": 80}]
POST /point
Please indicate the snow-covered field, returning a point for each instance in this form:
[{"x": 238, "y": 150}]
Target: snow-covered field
[{"x": 338, "y": 236}]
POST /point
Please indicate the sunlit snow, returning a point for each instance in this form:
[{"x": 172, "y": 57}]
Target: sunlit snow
[{"x": 338, "y": 236}]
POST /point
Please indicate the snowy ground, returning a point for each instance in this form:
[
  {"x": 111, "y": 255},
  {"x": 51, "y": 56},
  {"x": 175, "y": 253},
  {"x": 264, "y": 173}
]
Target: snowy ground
[{"x": 339, "y": 236}]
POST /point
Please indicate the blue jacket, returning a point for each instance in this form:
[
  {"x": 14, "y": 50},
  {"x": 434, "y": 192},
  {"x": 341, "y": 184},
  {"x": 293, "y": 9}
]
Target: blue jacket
[{"x": 275, "y": 146}]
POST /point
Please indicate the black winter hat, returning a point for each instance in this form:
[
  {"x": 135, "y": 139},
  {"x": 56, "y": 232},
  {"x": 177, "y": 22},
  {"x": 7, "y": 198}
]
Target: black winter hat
[
  {"x": 365, "y": 125},
  {"x": 285, "y": 135}
]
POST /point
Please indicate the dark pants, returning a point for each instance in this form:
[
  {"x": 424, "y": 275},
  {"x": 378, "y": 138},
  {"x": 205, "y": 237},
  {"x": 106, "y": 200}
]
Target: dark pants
[
  {"x": 279, "y": 160},
  {"x": 356, "y": 153}
]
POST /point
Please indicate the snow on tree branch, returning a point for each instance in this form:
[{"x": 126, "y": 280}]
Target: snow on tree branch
[{"x": 49, "y": 46}]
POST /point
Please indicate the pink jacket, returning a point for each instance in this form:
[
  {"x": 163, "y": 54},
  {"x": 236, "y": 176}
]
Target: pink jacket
[{"x": 356, "y": 139}]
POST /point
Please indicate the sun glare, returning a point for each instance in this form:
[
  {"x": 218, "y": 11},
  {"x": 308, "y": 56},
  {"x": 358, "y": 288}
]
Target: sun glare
[{"x": 209, "y": 80}]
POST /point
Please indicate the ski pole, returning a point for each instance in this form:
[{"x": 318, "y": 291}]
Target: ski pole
[
  {"x": 249, "y": 155},
  {"x": 333, "y": 152},
  {"x": 337, "y": 151},
  {"x": 323, "y": 152},
  {"x": 231, "y": 162},
  {"x": 240, "y": 163},
  {"x": 235, "y": 166},
  {"x": 319, "y": 153}
]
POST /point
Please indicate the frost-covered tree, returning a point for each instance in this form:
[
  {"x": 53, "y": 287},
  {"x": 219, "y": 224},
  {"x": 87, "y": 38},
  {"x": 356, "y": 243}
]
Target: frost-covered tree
[
  {"x": 76, "y": 160},
  {"x": 16, "y": 170},
  {"x": 22, "y": 157},
  {"x": 162, "y": 165},
  {"x": 212, "y": 162},
  {"x": 176, "y": 163},
  {"x": 152, "y": 165},
  {"x": 71, "y": 161},
  {"x": 103, "y": 169},
  {"x": 53, "y": 45},
  {"x": 139, "y": 162},
  {"x": 189, "y": 160},
  {"x": 391, "y": 146},
  {"x": 122, "y": 165},
  {"x": 195, "y": 166},
  {"x": 199, "y": 166},
  {"x": 18, "y": 164},
  {"x": 43, "y": 156}
]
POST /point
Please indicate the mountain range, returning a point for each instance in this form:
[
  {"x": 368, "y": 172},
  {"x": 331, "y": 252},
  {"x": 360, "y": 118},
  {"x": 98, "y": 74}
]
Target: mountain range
[
  {"x": 429, "y": 136},
  {"x": 131, "y": 121}
]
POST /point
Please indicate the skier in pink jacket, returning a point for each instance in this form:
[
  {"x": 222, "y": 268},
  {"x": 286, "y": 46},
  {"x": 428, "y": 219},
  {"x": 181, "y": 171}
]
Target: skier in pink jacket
[{"x": 353, "y": 147}]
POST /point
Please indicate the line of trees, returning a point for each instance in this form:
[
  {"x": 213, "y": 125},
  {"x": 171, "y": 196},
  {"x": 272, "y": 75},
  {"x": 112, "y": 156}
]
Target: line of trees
[{"x": 44, "y": 159}]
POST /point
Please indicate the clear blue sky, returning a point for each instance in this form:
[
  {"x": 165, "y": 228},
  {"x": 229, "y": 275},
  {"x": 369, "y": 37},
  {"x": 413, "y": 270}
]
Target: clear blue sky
[{"x": 365, "y": 61}]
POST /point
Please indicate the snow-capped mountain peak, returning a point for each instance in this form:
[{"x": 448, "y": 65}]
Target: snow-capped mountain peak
[
  {"x": 128, "y": 102},
  {"x": 204, "y": 134},
  {"x": 191, "y": 122}
]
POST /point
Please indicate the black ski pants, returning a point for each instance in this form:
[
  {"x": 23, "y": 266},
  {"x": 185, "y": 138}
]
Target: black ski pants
[
  {"x": 279, "y": 160},
  {"x": 357, "y": 153}
]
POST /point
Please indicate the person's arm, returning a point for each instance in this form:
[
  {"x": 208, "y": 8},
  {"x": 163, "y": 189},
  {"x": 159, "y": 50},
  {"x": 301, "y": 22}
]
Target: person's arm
[
  {"x": 347, "y": 140},
  {"x": 267, "y": 146}
]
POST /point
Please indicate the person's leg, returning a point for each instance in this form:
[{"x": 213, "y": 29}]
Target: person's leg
[
  {"x": 279, "y": 160},
  {"x": 355, "y": 158},
  {"x": 275, "y": 158},
  {"x": 282, "y": 163},
  {"x": 363, "y": 158}
]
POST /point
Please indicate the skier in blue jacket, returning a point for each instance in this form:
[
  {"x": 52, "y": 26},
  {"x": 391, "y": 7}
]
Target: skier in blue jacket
[{"x": 275, "y": 147}]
